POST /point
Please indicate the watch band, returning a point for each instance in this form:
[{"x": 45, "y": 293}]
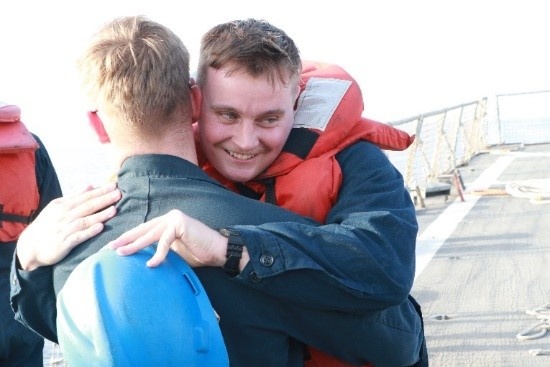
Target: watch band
[{"x": 234, "y": 252}]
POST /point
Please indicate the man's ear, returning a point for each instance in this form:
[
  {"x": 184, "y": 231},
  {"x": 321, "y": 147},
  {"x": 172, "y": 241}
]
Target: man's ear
[
  {"x": 96, "y": 124},
  {"x": 196, "y": 102},
  {"x": 298, "y": 91}
]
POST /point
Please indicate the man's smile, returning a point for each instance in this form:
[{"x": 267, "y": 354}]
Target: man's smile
[{"x": 239, "y": 155}]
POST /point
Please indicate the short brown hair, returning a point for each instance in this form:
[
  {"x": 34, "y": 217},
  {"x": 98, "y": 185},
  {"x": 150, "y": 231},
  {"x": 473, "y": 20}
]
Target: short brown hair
[{"x": 252, "y": 45}]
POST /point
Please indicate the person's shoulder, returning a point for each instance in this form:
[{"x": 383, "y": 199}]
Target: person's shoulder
[
  {"x": 41, "y": 147},
  {"x": 362, "y": 155},
  {"x": 43, "y": 159},
  {"x": 37, "y": 138},
  {"x": 362, "y": 147}
]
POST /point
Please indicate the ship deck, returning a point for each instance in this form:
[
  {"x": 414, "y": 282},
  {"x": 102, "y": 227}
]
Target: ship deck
[{"x": 483, "y": 263}]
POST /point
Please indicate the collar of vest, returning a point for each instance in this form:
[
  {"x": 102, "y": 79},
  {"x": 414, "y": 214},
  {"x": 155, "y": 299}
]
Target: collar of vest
[
  {"x": 9, "y": 113},
  {"x": 14, "y": 134},
  {"x": 328, "y": 118},
  {"x": 329, "y": 104}
]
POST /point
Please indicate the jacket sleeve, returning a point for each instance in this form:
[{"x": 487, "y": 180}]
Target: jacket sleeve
[
  {"x": 33, "y": 299},
  {"x": 363, "y": 258},
  {"x": 31, "y": 296}
]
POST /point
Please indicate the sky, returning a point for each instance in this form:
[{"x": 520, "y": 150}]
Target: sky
[{"x": 409, "y": 57}]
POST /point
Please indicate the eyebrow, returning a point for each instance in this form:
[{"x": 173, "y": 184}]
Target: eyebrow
[{"x": 221, "y": 107}]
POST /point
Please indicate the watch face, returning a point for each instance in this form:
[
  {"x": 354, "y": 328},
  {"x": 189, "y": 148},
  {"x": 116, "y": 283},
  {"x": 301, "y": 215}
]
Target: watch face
[
  {"x": 233, "y": 236},
  {"x": 225, "y": 232}
]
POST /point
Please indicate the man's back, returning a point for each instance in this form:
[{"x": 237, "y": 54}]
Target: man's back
[
  {"x": 176, "y": 183},
  {"x": 152, "y": 185}
]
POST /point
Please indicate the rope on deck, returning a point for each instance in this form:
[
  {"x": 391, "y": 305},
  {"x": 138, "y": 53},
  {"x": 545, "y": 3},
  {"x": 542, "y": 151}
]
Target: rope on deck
[
  {"x": 539, "y": 329},
  {"x": 537, "y": 190}
]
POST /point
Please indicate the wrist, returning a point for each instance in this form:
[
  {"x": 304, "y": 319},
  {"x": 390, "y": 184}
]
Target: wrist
[
  {"x": 24, "y": 263},
  {"x": 244, "y": 259}
]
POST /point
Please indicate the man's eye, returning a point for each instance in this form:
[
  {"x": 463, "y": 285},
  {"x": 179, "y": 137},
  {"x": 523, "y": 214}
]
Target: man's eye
[
  {"x": 271, "y": 120},
  {"x": 228, "y": 115}
]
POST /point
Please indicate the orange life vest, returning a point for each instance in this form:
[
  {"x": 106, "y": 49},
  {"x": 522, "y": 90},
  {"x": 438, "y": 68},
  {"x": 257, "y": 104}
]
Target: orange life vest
[
  {"x": 19, "y": 196},
  {"x": 328, "y": 119}
]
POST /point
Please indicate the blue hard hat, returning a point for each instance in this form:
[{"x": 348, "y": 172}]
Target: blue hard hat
[{"x": 116, "y": 311}]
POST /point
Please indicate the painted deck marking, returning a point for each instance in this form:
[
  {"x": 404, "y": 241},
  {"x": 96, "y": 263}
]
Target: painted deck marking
[{"x": 433, "y": 237}]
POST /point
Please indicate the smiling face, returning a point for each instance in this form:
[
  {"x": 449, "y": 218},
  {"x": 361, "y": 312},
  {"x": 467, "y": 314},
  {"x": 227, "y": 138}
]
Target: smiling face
[{"x": 245, "y": 121}]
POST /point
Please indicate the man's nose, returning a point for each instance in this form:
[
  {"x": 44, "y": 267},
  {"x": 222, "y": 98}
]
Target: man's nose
[{"x": 245, "y": 136}]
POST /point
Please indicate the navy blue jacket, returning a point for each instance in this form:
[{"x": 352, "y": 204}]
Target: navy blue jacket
[{"x": 342, "y": 287}]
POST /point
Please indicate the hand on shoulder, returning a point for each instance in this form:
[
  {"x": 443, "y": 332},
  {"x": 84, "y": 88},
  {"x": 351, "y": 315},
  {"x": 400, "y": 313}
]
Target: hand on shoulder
[{"x": 65, "y": 223}]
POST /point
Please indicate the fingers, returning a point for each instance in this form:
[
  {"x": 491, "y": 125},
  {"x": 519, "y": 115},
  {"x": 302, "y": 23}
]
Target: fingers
[
  {"x": 99, "y": 217},
  {"x": 88, "y": 188},
  {"x": 149, "y": 232},
  {"x": 78, "y": 218},
  {"x": 143, "y": 236},
  {"x": 169, "y": 231},
  {"x": 142, "y": 233},
  {"x": 67, "y": 209},
  {"x": 64, "y": 223},
  {"x": 160, "y": 254},
  {"x": 126, "y": 247},
  {"x": 90, "y": 202},
  {"x": 164, "y": 243},
  {"x": 161, "y": 230},
  {"x": 85, "y": 228}
]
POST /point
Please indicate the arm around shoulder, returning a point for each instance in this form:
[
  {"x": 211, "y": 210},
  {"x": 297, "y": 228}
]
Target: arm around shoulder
[{"x": 362, "y": 259}]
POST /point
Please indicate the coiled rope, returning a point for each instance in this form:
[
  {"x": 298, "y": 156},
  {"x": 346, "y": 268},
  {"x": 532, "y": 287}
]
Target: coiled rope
[
  {"x": 537, "y": 190},
  {"x": 539, "y": 329}
]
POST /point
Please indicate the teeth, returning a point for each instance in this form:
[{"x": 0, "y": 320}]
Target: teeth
[{"x": 240, "y": 156}]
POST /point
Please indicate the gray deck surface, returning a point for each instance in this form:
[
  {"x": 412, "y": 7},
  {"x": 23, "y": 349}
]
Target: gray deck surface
[{"x": 491, "y": 269}]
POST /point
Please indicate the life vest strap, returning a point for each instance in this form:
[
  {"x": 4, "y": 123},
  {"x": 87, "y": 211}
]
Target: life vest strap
[
  {"x": 7, "y": 217},
  {"x": 300, "y": 141},
  {"x": 247, "y": 191},
  {"x": 270, "y": 195},
  {"x": 9, "y": 112}
]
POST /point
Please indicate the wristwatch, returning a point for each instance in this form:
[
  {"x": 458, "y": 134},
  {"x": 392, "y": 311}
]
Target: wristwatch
[{"x": 234, "y": 252}]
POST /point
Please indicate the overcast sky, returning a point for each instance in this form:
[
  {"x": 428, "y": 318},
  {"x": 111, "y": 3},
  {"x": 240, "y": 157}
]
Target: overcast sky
[{"x": 408, "y": 56}]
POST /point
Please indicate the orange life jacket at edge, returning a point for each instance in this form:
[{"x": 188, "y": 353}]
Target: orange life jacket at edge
[
  {"x": 309, "y": 157},
  {"x": 19, "y": 196}
]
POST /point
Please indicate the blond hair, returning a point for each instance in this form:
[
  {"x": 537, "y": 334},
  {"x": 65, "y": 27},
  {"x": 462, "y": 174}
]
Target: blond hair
[{"x": 137, "y": 71}]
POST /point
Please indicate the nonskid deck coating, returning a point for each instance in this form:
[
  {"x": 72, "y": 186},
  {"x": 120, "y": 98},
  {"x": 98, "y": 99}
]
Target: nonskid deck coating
[{"x": 484, "y": 262}]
